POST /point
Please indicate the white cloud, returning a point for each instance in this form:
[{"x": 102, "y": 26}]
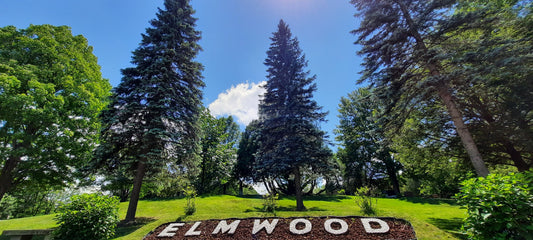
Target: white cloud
[{"x": 240, "y": 101}]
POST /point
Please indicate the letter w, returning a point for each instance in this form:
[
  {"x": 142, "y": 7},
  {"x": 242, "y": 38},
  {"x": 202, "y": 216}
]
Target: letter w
[
  {"x": 269, "y": 227},
  {"x": 225, "y": 228}
]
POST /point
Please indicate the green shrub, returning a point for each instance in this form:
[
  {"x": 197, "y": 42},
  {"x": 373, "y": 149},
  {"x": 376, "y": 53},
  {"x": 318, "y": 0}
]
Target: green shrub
[
  {"x": 341, "y": 192},
  {"x": 87, "y": 216},
  {"x": 7, "y": 207},
  {"x": 365, "y": 201},
  {"x": 499, "y": 206},
  {"x": 190, "y": 195},
  {"x": 270, "y": 202}
]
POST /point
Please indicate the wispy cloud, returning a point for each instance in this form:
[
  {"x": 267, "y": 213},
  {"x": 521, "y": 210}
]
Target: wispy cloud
[{"x": 240, "y": 101}]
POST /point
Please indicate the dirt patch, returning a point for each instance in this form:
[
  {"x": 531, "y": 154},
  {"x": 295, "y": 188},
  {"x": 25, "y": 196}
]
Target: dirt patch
[{"x": 352, "y": 227}]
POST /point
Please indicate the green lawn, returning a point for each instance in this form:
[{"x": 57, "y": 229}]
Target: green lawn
[{"x": 432, "y": 219}]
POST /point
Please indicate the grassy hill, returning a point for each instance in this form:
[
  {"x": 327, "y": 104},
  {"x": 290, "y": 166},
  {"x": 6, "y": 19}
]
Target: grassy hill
[{"x": 432, "y": 219}]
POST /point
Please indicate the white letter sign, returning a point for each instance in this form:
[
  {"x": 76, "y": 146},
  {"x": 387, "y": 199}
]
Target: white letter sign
[
  {"x": 269, "y": 227},
  {"x": 325, "y": 227},
  {"x": 225, "y": 228},
  {"x": 192, "y": 231},
  {"x": 304, "y": 230},
  {"x": 384, "y": 227},
  {"x": 169, "y": 231},
  {"x": 342, "y": 230}
]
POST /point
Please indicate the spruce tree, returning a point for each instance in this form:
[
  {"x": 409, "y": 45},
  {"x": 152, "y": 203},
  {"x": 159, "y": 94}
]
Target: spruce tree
[
  {"x": 290, "y": 142},
  {"x": 405, "y": 62},
  {"x": 152, "y": 118}
]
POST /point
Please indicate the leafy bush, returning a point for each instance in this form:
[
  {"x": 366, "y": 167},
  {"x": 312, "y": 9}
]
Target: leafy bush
[
  {"x": 499, "y": 206},
  {"x": 365, "y": 201},
  {"x": 190, "y": 195},
  {"x": 87, "y": 216},
  {"x": 7, "y": 207},
  {"x": 270, "y": 202},
  {"x": 31, "y": 200}
]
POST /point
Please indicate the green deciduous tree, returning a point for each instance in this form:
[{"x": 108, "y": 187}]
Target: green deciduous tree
[
  {"x": 248, "y": 146},
  {"x": 51, "y": 92},
  {"x": 152, "y": 119},
  {"x": 219, "y": 153},
  {"x": 432, "y": 157},
  {"x": 405, "y": 60},
  {"x": 291, "y": 142},
  {"x": 367, "y": 152}
]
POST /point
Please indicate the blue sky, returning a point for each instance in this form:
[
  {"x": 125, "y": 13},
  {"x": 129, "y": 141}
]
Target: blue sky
[{"x": 235, "y": 38}]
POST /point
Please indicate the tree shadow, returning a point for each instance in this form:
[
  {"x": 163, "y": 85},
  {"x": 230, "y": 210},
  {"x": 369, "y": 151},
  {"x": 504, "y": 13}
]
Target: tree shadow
[
  {"x": 326, "y": 198},
  {"x": 250, "y": 196},
  {"x": 294, "y": 209},
  {"x": 126, "y": 228},
  {"x": 255, "y": 209},
  {"x": 284, "y": 209},
  {"x": 452, "y": 226},
  {"x": 432, "y": 201}
]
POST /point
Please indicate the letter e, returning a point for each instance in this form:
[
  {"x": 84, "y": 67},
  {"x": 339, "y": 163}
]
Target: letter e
[{"x": 169, "y": 231}]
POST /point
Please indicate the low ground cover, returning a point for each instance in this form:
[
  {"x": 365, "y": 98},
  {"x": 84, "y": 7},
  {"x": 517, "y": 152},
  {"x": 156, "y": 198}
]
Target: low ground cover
[{"x": 431, "y": 218}]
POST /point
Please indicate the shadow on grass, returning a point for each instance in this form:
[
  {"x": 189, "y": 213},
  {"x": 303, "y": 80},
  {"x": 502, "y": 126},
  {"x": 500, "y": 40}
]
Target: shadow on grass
[
  {"x": 452, "y": 226},
  {"x": 336, "y": 198},
  {"x": 124, "y": 228},
  {"x": 433, "y": 201},
  {"x": 293, "y": 209},
  {"x": 250, "y": 196},
  {"x": 284, "y": 209}
]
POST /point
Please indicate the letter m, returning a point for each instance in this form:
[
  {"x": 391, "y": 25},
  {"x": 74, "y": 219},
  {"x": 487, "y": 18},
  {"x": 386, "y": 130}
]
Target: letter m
[{"x": 225, "y": 228}]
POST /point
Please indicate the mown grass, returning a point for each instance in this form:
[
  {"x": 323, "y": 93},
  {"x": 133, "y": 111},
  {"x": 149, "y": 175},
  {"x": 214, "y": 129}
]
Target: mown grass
[{"x": 432, "y": 219}]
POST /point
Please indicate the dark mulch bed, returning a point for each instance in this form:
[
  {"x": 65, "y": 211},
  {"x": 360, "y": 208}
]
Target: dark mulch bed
[{"x": 399, "y": 230}]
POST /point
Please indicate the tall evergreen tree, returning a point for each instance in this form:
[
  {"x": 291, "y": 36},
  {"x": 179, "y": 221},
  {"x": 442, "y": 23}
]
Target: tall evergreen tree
[
  {"x": 405, "y": 62},
  {"x": 152, "y": 119},
  {"x": 290, "y": 142},
  {"x": 495, "y": 54}
]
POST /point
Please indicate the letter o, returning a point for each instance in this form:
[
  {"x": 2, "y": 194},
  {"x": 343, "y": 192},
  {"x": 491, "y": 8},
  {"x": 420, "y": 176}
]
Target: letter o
[
  {"x": 304, "y": 230},
  {"x": 342, "y": 230}
]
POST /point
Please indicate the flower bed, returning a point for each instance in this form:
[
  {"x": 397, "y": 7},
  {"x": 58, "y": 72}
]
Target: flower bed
[{"x": 351, "y": 227}]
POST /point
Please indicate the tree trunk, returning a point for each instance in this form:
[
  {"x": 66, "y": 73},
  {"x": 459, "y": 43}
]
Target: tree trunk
[
  {"x": 391, "y": 171},
  {"x": 514, "y": 154},
  {"x": 464, "y": 133},
  {"x": 268, "y": 187},
  {"x": 6, "y": 175},
  {"x": 134, "y": 199},
  {"x": 298, "y": 189},
  {"x": 311, "y": 189},
  {"x": 516, "y": 157}
]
